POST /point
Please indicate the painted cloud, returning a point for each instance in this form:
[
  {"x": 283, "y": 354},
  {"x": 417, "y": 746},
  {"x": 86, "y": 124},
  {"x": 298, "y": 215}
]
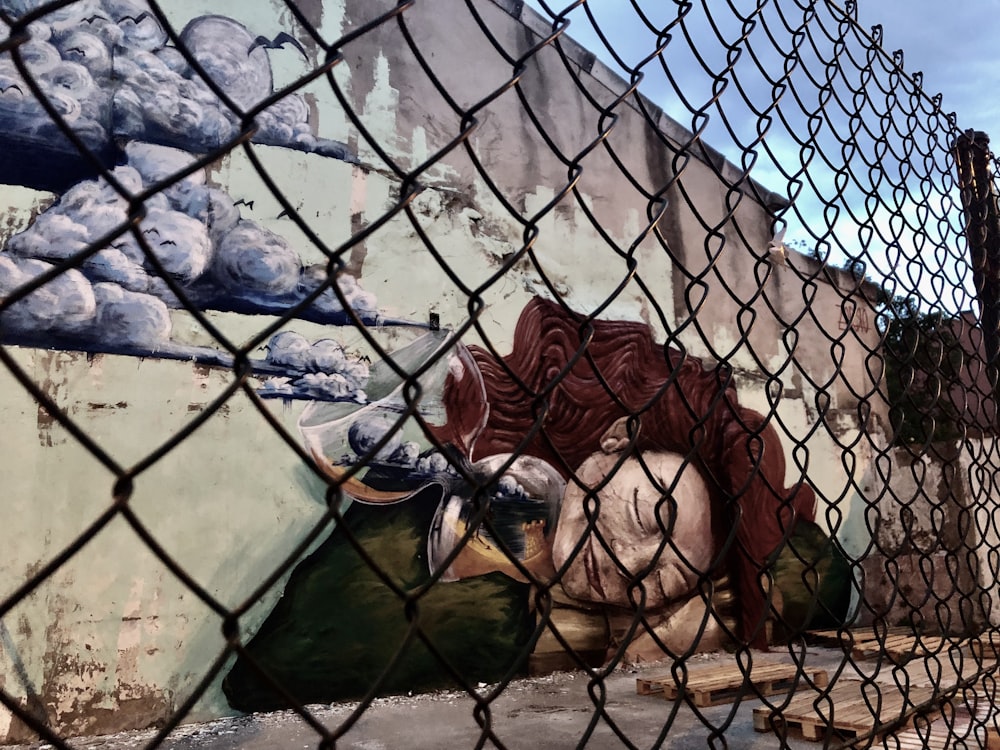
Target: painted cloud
[
  {"x": 65, "y": 305},
  {"x": 108, "y": 69},
  {"x": 319, "y": 370},
  {"x": 191, "y": 234}
]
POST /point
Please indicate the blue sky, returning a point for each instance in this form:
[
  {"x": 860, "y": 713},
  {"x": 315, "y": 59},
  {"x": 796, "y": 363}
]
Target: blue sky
[
  {"x": 955, "y": 45},
  {"x": 952, "y": 45}
]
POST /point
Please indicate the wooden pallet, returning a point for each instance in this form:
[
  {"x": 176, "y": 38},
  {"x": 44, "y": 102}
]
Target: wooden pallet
[
  {"x": 938, "y": 736},
  {"x": 845, "y": 711},
  {"x": 711, "y": 687},
  {"x": 901, "y": 648},
  {"x": 985, "y": 647},
  {"x": 859, "y": 636},
  {"x": 899, "y": 644},
  {"x": 966, "y": 717}
]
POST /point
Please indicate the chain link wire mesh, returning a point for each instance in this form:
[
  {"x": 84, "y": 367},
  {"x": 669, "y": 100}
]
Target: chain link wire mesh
[{"x": 784, "y": 449}]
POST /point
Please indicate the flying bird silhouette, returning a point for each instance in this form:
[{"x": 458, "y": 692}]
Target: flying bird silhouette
[
  {"x": 277, "y": 43},
  {"x": 241, "y": 202},
  {"x": 5, "y": 89},
  {"x": 136, "y": 19}
]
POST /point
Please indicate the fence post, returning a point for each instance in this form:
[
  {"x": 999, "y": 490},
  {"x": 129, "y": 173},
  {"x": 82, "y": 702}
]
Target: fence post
[{"x": 982, "y": 229}]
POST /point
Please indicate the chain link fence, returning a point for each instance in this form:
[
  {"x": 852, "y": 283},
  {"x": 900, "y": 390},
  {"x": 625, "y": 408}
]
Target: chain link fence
[{"x": 360, "y": 348}]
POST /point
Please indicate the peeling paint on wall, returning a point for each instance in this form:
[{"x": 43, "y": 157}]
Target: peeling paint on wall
[{"x": 102, "y": 646}]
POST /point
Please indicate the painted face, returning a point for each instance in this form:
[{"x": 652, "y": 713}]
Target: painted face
[{"x": 633, "y": 513}]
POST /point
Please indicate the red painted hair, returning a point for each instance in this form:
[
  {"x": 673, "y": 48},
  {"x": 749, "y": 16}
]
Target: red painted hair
[{"x": 570, "y": 379}]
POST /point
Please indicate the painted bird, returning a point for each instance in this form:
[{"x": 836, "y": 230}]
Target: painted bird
[{"x": 278, "y": 43}]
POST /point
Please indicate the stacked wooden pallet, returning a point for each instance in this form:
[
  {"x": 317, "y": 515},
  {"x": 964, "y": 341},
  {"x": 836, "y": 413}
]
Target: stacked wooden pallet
[
  {"x": 848, "y": 709},
  {"x": 902, "y": 648},
  {"x": 851, "y": 708},
  {"x": 727, "y": 682},
  {"x": 985, "y": 646},
  {"x": 856, "y": 636}
]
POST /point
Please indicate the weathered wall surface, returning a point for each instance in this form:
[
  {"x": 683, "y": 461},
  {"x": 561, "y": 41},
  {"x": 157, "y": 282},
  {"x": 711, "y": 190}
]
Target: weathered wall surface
[
  {"x": 114, "y": 639},
  {"x": 929, "y": 562}
]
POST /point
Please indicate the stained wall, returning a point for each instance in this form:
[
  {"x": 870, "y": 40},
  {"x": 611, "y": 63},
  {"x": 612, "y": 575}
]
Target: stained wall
[{"x": 672, "y": 237}]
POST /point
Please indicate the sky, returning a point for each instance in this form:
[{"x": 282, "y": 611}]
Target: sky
[{"x": 954, "y": 48}]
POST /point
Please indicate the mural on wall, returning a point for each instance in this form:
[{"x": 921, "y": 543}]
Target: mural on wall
[
  {"x": 510, "y": 492},
  {"x": 606, "y": 490},
  {"x": 108, "y": 69}
]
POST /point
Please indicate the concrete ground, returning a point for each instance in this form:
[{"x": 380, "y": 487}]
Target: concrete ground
[{"x": 551, "y": 712}]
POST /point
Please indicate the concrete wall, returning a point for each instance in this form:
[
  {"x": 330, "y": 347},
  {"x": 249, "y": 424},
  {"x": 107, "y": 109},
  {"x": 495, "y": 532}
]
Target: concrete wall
[
  {"x": 930, "y": 564},
  {"x": 113, "y": 639}
]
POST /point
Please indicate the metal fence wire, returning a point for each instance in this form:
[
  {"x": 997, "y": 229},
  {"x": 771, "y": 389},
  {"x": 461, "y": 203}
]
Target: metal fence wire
[{"x": 356, "y": 348}]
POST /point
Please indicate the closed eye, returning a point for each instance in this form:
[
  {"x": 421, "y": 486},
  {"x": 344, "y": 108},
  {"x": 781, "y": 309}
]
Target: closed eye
[{"x": 635, "y": 509}]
